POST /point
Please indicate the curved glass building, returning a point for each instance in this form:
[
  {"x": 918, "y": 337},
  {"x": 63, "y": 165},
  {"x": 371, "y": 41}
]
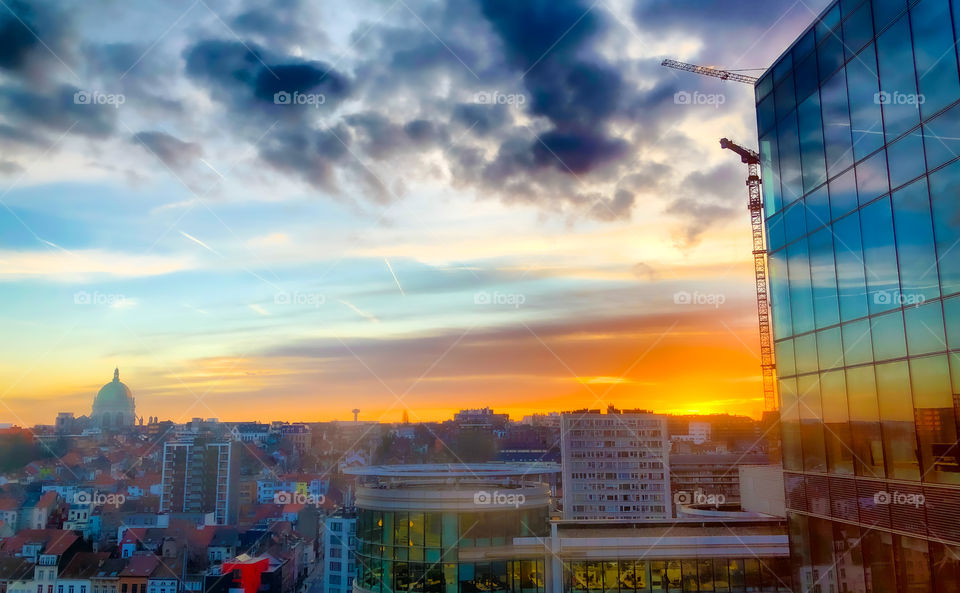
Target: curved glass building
[
  {"x": 453, "y": 529},
  {"x": 859, "y": 129}
]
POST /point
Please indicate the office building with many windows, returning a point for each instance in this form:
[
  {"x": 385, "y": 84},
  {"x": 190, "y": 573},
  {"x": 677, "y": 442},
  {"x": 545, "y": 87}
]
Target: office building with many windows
[
  {"x": 486, "y": 528},
  {"x": 859, "y": 129},
  {"x": 615, "y": 465}
]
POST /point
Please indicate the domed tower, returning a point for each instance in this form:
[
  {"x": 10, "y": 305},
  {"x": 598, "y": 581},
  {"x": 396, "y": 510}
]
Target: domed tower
[{"x": 114, "y": 406}]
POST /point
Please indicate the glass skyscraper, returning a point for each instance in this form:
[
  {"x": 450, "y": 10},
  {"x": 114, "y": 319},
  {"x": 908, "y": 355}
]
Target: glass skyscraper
[{"x": 859, "y": 129}]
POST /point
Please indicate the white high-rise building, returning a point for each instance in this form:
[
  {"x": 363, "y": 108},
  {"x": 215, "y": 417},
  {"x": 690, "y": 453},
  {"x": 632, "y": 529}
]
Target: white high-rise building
[
  {"x": 615, "y": 465},
  {"x": 339, "y": 552}
]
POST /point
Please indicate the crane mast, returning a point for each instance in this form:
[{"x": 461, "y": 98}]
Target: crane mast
[{"x": 755, "y": 206}]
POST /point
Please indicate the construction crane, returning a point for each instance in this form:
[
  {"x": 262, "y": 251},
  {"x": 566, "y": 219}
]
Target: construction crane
[
  {"x": 708, "y": 71},
  {"x": 755, "y": 206}
]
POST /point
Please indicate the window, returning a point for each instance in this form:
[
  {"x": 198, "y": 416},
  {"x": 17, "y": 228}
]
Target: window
[
  {"x": 811, "y": 142},
  {"x": 801, "y": 296},
  {"x": 836, "y": 421},
  {"x": 790, "y": 420},
  {"x": 858, "y": 29},
  {"x": 811, "y": 424},
  {"x": 941, "y": 137},
  {"x": 872, "y": 178},
  {"x": 889, "y": 341},
  {"x": 895, "y": 405},
  {"x": 866, "y": 121},
  {"x": 865, "y": 422},
  {"x": 933, "y": 50},
  {"x": 824, "y": 278},
  {"x": 915, "y": 244},
  {"x": 905, "y": 160},
  {"x": 944, "y": 188},
  {"x": 935, "y": 418},
  {"x": 789, "y": 150},
  {"x": 880, "y": 256},
  {"x": 899, "y": 96},
  {"x": 925, "y": 329},
  {"x": 851, "y": 281}
]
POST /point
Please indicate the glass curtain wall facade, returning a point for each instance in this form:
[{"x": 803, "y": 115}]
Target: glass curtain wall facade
[
  {"x": 421, "y": 551},
  {"x": 859, "y": 129},
  {"x": 693, "y": 575}
]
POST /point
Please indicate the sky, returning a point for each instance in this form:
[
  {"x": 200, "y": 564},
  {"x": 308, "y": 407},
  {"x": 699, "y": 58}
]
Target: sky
[{"x": 287, "y": 210}]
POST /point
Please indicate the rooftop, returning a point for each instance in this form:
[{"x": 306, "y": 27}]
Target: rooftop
[{"x": 455, "y": 470}]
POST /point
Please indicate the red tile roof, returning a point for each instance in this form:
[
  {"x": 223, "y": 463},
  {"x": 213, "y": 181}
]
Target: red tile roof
[{"x": 140, "y": 566}]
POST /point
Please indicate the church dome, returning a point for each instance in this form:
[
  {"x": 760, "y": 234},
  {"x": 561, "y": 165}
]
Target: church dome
[{"x": 114, "y": 404}]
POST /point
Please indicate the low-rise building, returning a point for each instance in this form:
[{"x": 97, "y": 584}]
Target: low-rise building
[
  {"x": 107, "y": 577},
  {"x": 76, "y": 577}
]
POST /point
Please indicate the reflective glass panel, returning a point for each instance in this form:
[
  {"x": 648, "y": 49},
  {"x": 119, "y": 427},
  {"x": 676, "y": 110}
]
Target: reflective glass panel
[
  {"x": 944, "y": 189},
  {"x": 863, "y": 90},
  {"x": 879, "y": 256},
  {"x": 898, "y": 83},
  {"x": 933, "y": 50}
]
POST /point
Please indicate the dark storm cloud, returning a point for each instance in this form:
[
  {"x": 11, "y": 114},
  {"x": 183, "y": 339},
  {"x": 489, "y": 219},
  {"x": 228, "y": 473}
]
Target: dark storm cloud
[
  {"x": 142, "y": 73},
  {"x": 311, "y": 155},
  {"x": 247, "y": 78},
  {"x": 61, "y": 110},
  {"x": 481, "y": 120},
  {"x": 549, "y": 42},
  {"x": 24, "y": 30},
  {"x": 381, "y": 138}
]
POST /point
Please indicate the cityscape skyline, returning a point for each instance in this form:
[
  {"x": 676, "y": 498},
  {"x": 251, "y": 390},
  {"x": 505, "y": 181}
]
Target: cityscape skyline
[{"x": 464, "y": 296}]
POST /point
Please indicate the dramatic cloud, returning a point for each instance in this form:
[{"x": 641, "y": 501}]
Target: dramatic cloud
[
  {"x": 31, "y": 34},
  {"x": 519, "y": 101},
  {"x": 175, "y": 153}
]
